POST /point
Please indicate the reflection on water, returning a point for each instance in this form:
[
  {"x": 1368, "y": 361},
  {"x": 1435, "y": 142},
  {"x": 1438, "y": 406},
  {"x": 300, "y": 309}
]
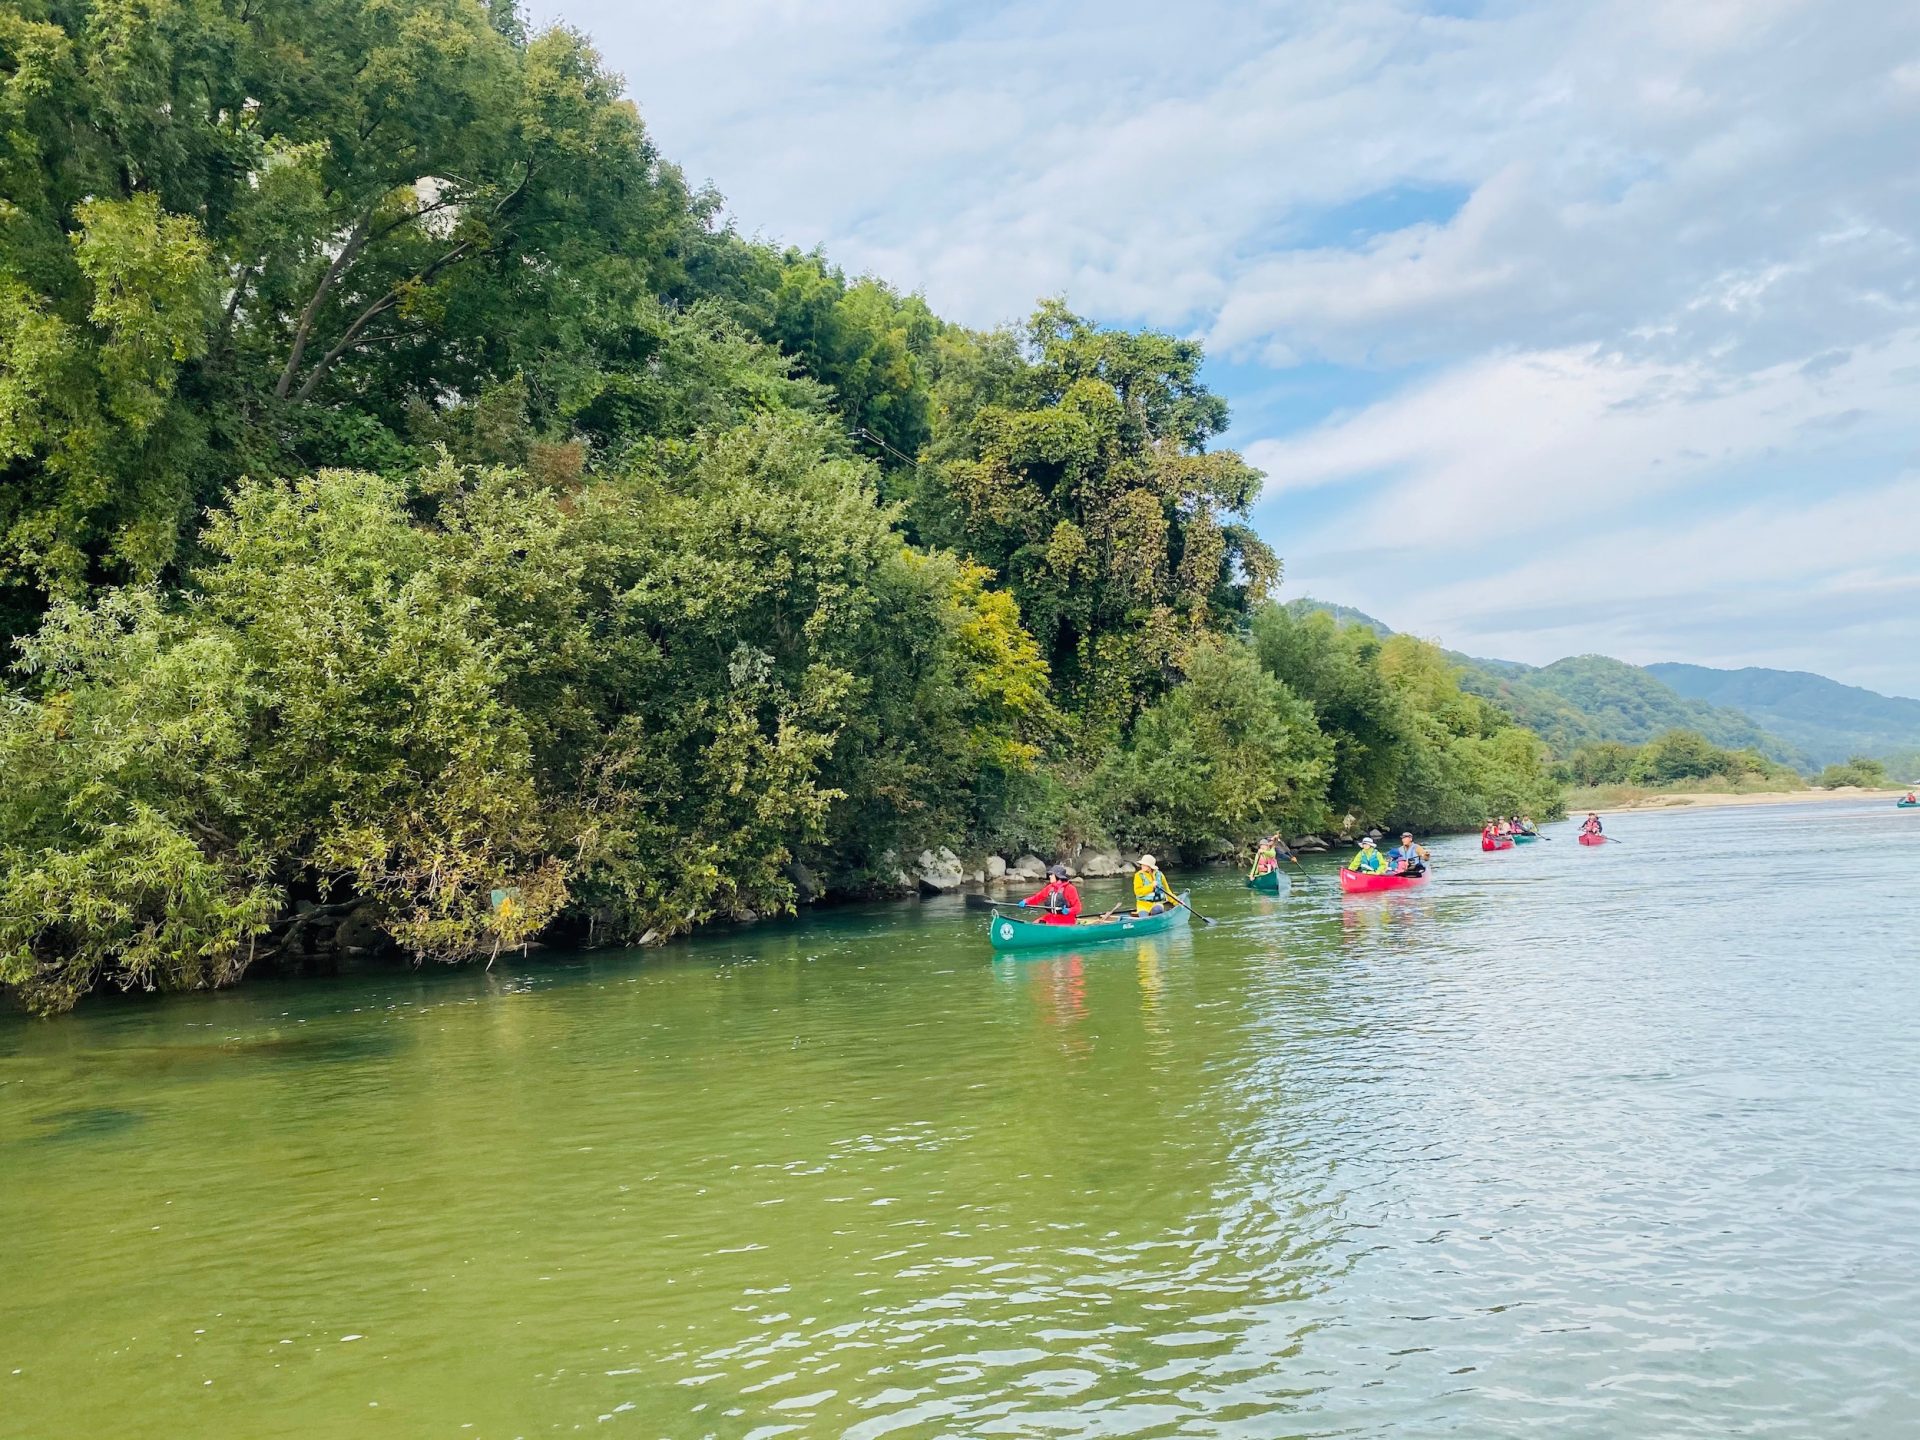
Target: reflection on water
[{"x": 1571, "y": 1142}]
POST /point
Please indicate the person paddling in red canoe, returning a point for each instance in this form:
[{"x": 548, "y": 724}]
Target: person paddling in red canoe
[
  {"x": 1368, "y": 860},
  {"x": 1407, "y": 858},
  {"x": 1058, "y": 897},
  {"x": 1591, "y": 825}
]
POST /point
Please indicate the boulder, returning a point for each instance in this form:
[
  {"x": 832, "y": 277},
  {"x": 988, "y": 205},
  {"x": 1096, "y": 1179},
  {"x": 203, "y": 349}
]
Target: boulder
[
  {"x": 1099, "y": 864},
  {"x": 360, "y": 929},
  {"x": 806, "y": 885},
  {"x": 996, "y": 867},
  {"x": 1030, "y": 867},
  {"x": 940, "y": 871},
  {"x": 1309, "y": 843},
  {"x": 889, "y": 876}
]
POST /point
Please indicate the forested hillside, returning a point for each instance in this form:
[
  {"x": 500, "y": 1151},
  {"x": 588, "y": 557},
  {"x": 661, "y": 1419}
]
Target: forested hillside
[
  {"x": 1589, "y": 699},
  {"x": 1827, "y": 720},
  {"x": 417, "y": 509},
  {"x": 1585, "y": 698}
]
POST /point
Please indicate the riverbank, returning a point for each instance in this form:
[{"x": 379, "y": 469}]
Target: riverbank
[{"x": 1629, "y": 797}]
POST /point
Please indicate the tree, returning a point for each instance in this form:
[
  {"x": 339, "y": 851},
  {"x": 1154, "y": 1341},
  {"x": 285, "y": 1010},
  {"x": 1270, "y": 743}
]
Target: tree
[
  {"x": 1336, "y": 668},
  {"x": 1076, "y": 467},
  {"x": 264, "y": 239},
  {"x": 1229, "y": 752},
  {"x": 1860, "y": 770}
]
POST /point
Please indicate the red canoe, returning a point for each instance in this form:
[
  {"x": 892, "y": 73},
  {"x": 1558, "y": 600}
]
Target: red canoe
[
  {"x": 1502, "y": 842},
  {"x": 1593, "y": 839},
  {"x": 1353, "y": 882}
]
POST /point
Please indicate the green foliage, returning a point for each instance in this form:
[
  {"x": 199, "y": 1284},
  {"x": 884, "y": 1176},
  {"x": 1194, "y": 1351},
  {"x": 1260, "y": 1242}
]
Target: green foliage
[
  {"x": 1467, "y": 760},
  {"x": 261, "y": 239},
  {"x": 1226, "y": 753},
  {"x": 1669, "y": 759},
  {"x": 1075, "y": 466},
  {"x": 1859, "y": 770},
  {"x": 866, "y": 343},
  {"x": 1337, "y": 669}
]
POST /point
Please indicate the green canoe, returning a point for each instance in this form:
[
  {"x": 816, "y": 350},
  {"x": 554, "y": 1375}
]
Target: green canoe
[
  {"x": 1520, "y": 839},
  {"x": 1007, "y": 933},
  {"x": 1267, "y": 884}
]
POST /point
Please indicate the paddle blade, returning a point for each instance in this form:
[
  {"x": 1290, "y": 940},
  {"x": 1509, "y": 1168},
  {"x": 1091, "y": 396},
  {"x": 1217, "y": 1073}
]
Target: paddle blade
[{"x": 986, "y": 902}]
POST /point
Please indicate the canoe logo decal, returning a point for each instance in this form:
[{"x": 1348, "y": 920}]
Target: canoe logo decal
[{"x": 1006, "y": 930}]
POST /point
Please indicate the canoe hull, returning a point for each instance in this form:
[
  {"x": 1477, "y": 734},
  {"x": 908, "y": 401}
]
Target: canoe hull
[
  {"x": 1267, "y": 884},
  {"x": 1593, "y": 839},
  {"x": 1504, "y": 843},
  {"x": 1906, "y": 804},
  {"x": 1525, "y": 839},
  {"x": 1352, "y": 882},
  {"x": 1007, "y": 933}
]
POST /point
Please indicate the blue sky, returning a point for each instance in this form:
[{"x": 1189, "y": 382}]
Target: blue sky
[{"x": 1556, "y": 327}]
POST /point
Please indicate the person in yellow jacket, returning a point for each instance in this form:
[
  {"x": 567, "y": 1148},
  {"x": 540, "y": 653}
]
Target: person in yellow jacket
[
  {"x": 1151, "y": 893},
  {"x": 1368, "y": 860}
]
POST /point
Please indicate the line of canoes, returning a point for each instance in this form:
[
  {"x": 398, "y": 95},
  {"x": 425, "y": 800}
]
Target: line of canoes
[{"x": 1010, "y": 932}]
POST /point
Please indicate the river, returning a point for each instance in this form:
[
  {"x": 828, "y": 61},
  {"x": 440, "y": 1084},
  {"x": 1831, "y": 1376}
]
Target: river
[{"x": 1615, "y": 1142}]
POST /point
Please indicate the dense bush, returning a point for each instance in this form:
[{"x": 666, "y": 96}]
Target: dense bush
[
  {"x": 1670, "y": 758},
  {"x": 1866, "y": 773}
]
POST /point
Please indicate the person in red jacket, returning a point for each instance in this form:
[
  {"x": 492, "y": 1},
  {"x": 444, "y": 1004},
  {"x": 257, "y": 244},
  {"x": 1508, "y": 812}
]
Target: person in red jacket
[{"x": 1058, "y": 897}]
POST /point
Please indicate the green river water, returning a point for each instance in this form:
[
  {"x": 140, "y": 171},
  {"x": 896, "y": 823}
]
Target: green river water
[{"x": 1615, "y": 1142}]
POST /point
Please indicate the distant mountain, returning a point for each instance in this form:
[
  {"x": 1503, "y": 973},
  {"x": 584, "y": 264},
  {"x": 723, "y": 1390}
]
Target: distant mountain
[
  {"x": 1826, "y": 719},
  {"x": 1587, "y": 698}
]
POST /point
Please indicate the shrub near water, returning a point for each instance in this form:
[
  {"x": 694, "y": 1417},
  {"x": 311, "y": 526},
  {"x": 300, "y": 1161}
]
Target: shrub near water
[{"x": 639, "y": 700}]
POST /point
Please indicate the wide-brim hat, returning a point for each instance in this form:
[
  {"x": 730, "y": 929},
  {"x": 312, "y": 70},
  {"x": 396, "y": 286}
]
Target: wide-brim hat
[{"x": 1147, "y": 862}]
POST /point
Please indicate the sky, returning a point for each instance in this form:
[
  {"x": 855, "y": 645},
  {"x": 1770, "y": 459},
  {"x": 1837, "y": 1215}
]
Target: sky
[{"x": 1557, "y": 328}]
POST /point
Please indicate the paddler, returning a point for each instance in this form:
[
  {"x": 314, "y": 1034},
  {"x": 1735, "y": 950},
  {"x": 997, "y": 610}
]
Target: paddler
[
  {"x": 1591, "y": 825},
  {"x": 1268, "y": 857},
  {"x": 1407, "y": 858},
  {"x": 1368, "y": 860},
  {"x": 1059, "y": 896},
  {"x": 1151, "y": 893},
  {"x": 1263, "y": 861}
]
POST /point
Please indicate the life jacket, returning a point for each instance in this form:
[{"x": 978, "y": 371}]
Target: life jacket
[{"x": 1149, "y": 889}]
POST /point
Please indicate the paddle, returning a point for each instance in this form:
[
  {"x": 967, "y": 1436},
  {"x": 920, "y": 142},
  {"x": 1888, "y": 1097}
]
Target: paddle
[{"x": 1193, "y": 912}]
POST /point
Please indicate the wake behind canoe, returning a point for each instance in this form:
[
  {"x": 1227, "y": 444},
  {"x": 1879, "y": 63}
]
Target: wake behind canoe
[{"x": 1008, "y": 933}]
